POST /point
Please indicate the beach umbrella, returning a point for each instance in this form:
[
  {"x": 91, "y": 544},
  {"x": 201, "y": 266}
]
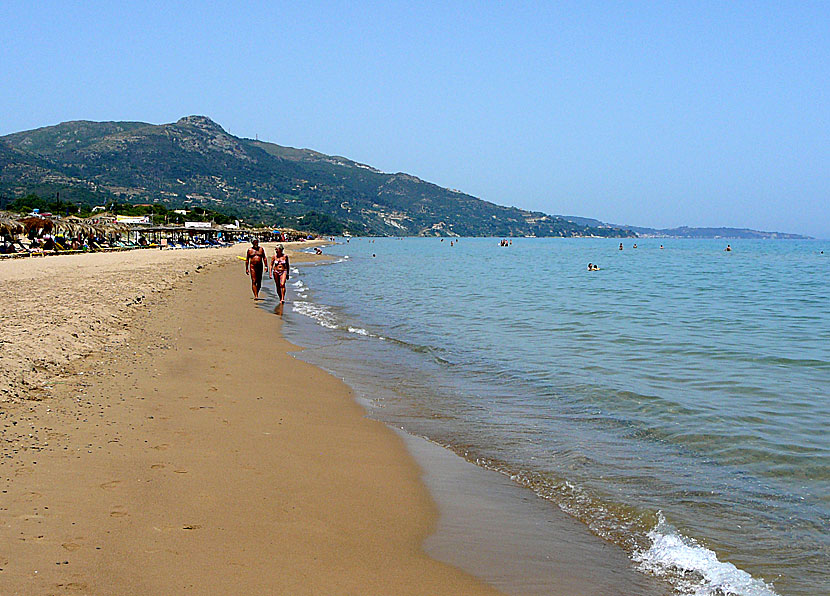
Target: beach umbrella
[
  {"x": 36, "y": 223},
  {"x": 116, "y": 227},
  {"x": 74, "y": 225},
  {"x": 9, "y": 225}
]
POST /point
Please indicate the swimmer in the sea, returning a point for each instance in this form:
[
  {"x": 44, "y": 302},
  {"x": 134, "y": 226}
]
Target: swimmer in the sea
[
  {"x": 728, "y": 248},
  {"x": 621, "y": 246},
  {"x": 255, "y": 261}
]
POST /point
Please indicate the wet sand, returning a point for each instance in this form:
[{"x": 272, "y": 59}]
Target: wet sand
[
  {"x": 524, "y": 545},
  {"x": 189, "y": 453}
]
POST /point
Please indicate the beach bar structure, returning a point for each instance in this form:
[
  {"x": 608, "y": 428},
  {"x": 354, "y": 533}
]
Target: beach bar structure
[{"x": 207, "y": 231}]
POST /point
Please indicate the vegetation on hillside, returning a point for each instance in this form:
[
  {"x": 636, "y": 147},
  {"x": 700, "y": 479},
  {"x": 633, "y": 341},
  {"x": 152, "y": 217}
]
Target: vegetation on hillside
[{"x": 195, "y": 163}]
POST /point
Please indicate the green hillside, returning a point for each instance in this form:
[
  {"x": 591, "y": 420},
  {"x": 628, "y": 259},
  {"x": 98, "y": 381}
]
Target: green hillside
[{"x": 194, "y": 162}]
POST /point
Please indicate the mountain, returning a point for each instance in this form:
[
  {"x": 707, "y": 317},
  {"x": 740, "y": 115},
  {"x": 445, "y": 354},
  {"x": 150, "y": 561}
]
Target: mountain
[
  {"x": 688, "y": 232},
  {"x": 195, "y": 162},
  {"x": 725, "y": 233}
]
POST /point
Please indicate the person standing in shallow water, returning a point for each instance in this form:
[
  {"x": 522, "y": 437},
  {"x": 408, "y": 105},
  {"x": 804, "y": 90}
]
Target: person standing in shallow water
[
  {"x": 255, "y": 261},
  {"x": 279, "y": 271}
]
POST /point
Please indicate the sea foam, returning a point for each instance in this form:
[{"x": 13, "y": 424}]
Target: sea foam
[
  {"x": 694, "y": 569},
  {"x": 324, "y": 316}
]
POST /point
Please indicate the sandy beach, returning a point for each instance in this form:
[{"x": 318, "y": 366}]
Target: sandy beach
[{"x": 158, "y": 439}]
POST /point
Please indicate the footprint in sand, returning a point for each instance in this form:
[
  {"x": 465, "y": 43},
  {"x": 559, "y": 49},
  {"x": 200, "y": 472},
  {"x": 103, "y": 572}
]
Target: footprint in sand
[
  {"x": 157, "y": 466},
  {"x": 191, "y": 527},
  {"x": 180, "y": 471},
  {"x": 71, "y": 546},
  {"x": 74, "y": 586},
  {"x": 30, "y": 496},
  {"x": 118, "y": 514},
  {"x": 162, "y": 447},
  {"x": 110, "y": 485}
]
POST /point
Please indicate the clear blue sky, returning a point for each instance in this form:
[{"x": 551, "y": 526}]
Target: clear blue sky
[{"x": 649, "y": 113}]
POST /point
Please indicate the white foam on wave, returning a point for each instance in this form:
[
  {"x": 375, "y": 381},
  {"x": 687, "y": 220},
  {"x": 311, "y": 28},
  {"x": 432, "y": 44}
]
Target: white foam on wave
[
  {"x": 694, "y": 569},
  {"x": 319, "y": 313},
  {"x": 358, "y": 330}
]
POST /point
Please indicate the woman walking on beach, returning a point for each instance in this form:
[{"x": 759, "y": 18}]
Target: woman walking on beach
[{"x": 279, "y": 270}]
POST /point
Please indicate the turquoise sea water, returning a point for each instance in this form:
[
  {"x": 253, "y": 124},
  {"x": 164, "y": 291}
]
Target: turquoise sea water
[{"x": 677, "y": 401}]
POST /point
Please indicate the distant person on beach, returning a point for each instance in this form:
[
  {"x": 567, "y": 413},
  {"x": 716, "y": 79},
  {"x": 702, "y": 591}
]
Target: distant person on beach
[
  {"x": 255, "y": 261},
  {"x": 279, "y": 271}
]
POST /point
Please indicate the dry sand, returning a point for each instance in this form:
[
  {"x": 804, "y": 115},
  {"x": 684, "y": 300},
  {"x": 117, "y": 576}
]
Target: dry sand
[{"x": 188, "y": 452}]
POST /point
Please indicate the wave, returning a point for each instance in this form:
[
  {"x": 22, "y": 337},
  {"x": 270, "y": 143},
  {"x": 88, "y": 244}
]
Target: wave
[
  {"x": 323, "y": 315},
  {"x": 326, "y": 317},
  {"x": 690, "y": 568},
  {"x": 694, "y": 569}
]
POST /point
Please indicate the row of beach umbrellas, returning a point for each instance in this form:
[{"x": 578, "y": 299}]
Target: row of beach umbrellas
[{"x": 71, "y": 225}]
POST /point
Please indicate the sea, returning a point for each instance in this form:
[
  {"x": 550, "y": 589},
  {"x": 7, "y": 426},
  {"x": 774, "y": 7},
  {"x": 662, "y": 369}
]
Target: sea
[{"x": 676, "y": 401}]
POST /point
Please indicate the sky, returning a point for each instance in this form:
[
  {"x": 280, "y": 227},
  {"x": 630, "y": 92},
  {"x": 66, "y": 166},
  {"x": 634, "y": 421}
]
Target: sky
[{"x": 643, "y": 113}]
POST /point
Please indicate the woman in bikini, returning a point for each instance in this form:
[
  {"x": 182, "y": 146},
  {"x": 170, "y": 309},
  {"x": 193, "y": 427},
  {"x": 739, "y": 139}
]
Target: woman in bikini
[{"x": 279, "y": 270}]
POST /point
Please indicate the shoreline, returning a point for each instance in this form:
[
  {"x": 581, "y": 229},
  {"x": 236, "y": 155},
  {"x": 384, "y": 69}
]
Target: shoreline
[
  {"x": 490, "y": 526},
  {"x": 164, "y": 462},
  {"x": 522, "y": 544}
]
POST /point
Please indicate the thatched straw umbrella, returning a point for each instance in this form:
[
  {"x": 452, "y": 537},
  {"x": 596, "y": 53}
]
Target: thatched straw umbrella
[
  {"x": 74, "y": 226},
  {"x": 36, "y": 223},
  {"x": 9, "y": 225},
  {"x": 116, "y": 228}
]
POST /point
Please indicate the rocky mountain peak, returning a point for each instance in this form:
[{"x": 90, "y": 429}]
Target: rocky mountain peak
[{"x": 201, "y": 122}]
